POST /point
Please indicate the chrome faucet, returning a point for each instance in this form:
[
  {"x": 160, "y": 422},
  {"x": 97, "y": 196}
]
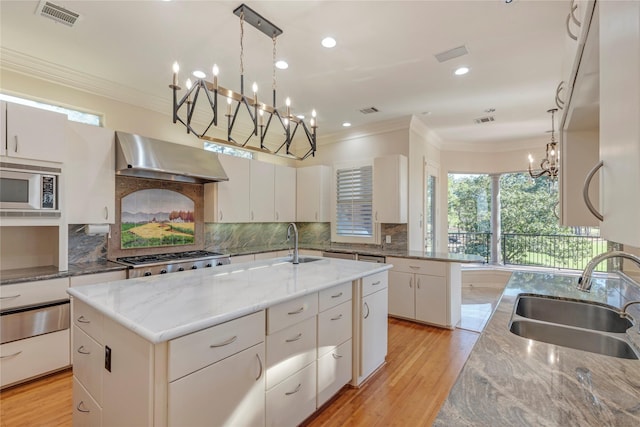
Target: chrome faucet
[
  {"x": 584, "y": 282},
  {"x": 295, "y": 245}
]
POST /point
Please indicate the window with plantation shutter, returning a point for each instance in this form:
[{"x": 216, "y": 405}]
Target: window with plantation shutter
[{"x": 354, "y": 202}]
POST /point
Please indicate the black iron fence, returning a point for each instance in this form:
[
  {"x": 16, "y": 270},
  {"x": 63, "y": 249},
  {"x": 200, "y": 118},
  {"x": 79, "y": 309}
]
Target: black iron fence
[{"x": 471, "y": 243}]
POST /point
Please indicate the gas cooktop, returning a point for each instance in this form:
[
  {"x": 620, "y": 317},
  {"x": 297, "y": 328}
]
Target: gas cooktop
[{"x": 169, "y": 258}]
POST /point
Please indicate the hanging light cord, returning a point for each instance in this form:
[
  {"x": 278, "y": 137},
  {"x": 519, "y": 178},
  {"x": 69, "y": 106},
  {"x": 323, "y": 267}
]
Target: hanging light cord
[{"x": 242, "y": 52}]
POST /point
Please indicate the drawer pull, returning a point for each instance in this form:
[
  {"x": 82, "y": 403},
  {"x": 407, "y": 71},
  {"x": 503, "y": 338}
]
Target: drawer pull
[
  {"x": 336, "y": 295},
  {"x": 81, "y": 406},
  {"x": 81, "y": 319},
  {"x": 227, "y": 342},
  {"x": 376, "y": 283},
  {"x": 336, "y": 356},
  {"x": 366, "y": 305},
  {"x": 261, "y": 368},
  {"x": 81, "y": 350},
  {"x": 289, "y": 393},
  {"x": 418, "y": 284},
  {"x": 338, "y": 317},
  {"x": 297, "y": 337},
  {"x": 414, "y": 267},
  {"x": 11, "y": 297},
  {"x": 298, "y": 311},
  {"x": 11, "y": 355}
]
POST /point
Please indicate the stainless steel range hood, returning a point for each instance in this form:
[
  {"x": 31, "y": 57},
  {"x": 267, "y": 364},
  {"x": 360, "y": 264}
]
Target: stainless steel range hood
[{"x": 144, "y": 157}]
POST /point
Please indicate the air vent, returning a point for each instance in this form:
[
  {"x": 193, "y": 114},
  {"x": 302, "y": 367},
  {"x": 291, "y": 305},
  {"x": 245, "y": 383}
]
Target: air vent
[
  {"x": 451, "y": 53},
  {"x": 486, "y": 119},
  {"x": 369, "y": 110},
  {"x": 57, "y": 13}
]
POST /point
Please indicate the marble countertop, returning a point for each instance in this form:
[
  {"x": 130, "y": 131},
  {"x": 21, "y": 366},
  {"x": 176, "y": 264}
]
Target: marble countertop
[
  {"x": 510, "y": 380},
  {"x": 160, "y": 308},
  {"x": 8, "y": 277}
]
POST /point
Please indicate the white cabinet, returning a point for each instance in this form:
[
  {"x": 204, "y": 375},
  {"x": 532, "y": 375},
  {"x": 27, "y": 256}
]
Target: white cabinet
[
  {"x": 89, "y": 176},
  {"x": 293, "y": 400},
  {"x": 390, "y": 189},
  {"x": 232, "y": 203},
  {"x": 33, "y": 133},
  {"x": 425, "y": 291},
  {"x": 261, "y": 192},
  {"x": 32, "y": 293},
  {"x": 374, "y": 328},
  {"x": 285, "y": 194},
  {"x": 313, "y": 193}
]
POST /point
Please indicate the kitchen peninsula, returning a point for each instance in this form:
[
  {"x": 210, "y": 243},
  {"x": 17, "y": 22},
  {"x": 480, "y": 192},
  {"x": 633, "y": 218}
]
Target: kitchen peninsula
[{"x": 260, "y": 343}]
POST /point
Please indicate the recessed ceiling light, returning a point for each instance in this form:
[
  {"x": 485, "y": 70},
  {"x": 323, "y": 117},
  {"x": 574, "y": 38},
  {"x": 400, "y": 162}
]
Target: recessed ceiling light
[
  {"x": 282, "y": 65},
  {"x": 346, "y": 124},
  {"x": 199, "y": 74},
  {"x": 461, "y": 71},
  {"x": 328, "y": 42}
]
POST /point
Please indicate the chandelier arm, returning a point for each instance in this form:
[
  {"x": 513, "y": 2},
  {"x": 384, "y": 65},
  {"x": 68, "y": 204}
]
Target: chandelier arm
[
  {"x": 192, "y": 103},
  {"x": 212, "y": 103},
  {"x": 266, "y": 130}
]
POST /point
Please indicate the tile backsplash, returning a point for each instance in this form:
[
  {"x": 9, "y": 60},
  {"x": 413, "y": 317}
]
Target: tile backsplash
[{"x": 85, "y": 248}]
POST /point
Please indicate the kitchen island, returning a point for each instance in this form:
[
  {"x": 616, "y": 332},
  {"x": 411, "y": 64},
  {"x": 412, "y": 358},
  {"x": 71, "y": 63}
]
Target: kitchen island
[
  {"x": 261, "y": 343},
  {"x": 510, "y": 380}
]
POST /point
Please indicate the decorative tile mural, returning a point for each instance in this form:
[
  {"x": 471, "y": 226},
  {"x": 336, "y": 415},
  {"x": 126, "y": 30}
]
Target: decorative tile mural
[{"x": 156, "y": 217}]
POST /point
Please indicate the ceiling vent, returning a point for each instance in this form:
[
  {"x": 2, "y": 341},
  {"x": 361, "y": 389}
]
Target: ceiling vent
[
  {"x": 451, "y": 53},
  {"x": 57, "y": 13},
  {"x": 369, "y": 110},
  {"x": 486, "y": 119}
]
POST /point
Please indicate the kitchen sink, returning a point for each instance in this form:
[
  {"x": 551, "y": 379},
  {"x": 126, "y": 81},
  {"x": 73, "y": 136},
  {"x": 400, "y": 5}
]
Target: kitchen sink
[
  {"x": 303, "y": 260},
  {"x": 572, "y": 313},
  {"x": 579, "y": 339}
]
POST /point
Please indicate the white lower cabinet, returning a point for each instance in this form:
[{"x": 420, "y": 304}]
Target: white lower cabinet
[
  {"x": 86, "y": 411},
  {"x": 293, "y": 400},
  {"x": 334, "y": 371},
  {"x": 373, "y": 339}
]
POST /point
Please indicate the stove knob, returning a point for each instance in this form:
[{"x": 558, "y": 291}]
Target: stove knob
[
  {"x": 147, "y": 273},
  {"x": 219, "y": 263},
  {"x": 163, "y": 271},
  {"x": 195, "y": 267},
  {"x": 209, "y": 265},
  {"x": 180, "y": 269}
]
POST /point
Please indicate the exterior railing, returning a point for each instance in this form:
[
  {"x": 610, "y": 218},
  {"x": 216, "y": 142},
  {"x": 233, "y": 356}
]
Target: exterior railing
[{"x": 471, "y": 243}]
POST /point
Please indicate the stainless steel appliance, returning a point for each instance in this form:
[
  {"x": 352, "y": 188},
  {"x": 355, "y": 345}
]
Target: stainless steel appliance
[
  {"x": 148, "y": 265},
  {"x": 25, "y": 322},
  {"x": 340, "y": 255},
  {"x": 27, "y": 190},
  {"x": 372, "y": 258}
]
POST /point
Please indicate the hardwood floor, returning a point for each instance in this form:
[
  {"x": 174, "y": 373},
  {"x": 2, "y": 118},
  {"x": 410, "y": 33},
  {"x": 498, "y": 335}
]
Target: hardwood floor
[{"x": 422, "y": 365}]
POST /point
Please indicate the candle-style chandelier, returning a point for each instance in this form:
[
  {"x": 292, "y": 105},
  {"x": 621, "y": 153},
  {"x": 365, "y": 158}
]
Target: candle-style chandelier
[
  {"x": 262, "y": 115},
  {"x": 551, "y": 163}
]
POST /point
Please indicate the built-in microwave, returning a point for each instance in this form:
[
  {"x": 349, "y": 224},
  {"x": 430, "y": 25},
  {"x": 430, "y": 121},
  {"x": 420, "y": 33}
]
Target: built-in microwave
[{"x": 28, "y": 190}]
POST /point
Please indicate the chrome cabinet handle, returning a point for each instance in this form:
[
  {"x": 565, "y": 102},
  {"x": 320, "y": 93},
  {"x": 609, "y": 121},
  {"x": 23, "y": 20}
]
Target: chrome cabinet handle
[
  {"x": 418, "y": 283},
  {"x": 220, "y": 216},
  {"x": 336, "y": 295},
  {"x": 569, "y": 29},
  {"x": 375, "y": 283},
  {"x": 336, "y": 356},
  {"x": 11, "y": 297},
  {"x": 298, "y": 311},
  {"x": 16, "y": 148},
  {"x": 296, "y": 338},
  {"x": 80, "y": 409},
  {"x": 80, "y": 350},
  {"x": 559, "y": 102},
  {"x": 289, "y": 393},
  {"x": 410, "y": 282},
  {"x": 574, "y": 7},
  {"x": 106, "y": 212},
  {"x": 81, "y": 319},
  {"x": 376, "y": 216},
  {"x": 11, "y": 355},
  {"x": 261, "y": 367},
  {"x": 368, "y": 311},
  {"x": 338, "y": 317},
  {"x": 227, "y": 342},
  {"x": 585, "y": 191}
]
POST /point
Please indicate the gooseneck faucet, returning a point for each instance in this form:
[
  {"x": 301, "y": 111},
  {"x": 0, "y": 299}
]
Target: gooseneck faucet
[
  {"x": 584, "y": 282},
  {"x": 295, "y": 244}
]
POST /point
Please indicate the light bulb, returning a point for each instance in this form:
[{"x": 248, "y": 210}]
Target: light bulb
[
  {"x": 189, "y": 84},
  {"x": 288, "y": 102},
  {"x": 229, "y": 101},
  {"x": 176, "y": 67},
  {"x": 313, "y": 113},
  {"x": 254, "y": 87},
  {"x": 215, "y": 70}
]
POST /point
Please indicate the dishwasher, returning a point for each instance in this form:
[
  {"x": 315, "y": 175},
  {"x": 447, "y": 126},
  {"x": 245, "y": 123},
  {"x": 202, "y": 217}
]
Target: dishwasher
[{"x": 372, "y": 258}]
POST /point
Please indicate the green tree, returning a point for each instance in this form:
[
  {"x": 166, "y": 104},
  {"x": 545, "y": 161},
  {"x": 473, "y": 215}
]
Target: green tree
[{"x": 469, "y": 203}]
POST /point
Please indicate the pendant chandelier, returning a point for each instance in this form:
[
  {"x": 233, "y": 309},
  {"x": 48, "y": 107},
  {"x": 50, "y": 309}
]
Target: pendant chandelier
[
  {"x": 550, "y": 164},
  {"x": 264, "y": 117}
]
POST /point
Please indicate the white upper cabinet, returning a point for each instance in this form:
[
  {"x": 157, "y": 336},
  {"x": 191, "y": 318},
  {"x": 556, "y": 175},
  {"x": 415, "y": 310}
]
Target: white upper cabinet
[
  {"x": 313, "y": 184},
  {"x": 89, "y": 174},
  {"x": 233, "y": 200},
  {"x": 390, "y": 189},
  {"x": 33, "y": 133},
  {"x": 285, "y": 194},
  {"x": 262, "y": 192}
]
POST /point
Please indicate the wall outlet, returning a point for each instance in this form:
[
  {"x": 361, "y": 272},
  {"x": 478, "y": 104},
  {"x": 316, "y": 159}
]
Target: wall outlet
[{"x": 388, "y": 239}]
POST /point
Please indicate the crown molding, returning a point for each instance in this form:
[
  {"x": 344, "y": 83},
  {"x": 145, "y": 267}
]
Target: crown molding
[
  {"x": 420, "y": 128},
  {"x": 495, "y": 147},
  {"x": 366, "y": 130}
]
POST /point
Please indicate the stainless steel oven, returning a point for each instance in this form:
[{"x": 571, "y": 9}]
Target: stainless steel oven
[
  {"x": 27, "y": 190},
  {"x": 30, "y": 321}
]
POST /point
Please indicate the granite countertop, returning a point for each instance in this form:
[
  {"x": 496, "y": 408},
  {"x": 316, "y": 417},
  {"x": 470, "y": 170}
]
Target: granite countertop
[
  {"x": 160, "y": 308},
  {"x": 8, "y": 277},
  {"x": 512, "y": 381}
]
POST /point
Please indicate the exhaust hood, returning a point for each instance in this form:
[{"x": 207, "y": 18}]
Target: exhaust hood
[{"x": 143, "y": 157}]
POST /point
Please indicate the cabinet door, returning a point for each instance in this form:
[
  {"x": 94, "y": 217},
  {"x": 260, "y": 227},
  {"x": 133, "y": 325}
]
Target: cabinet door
[
  {"x": 90, "y": 182},
  {"x": 3, "y": 128},
  {"x": 87, "y": 357},
  {"x": 401, "y": 294},
  {"x": 293, "y": 400},
  {"x": 312, "y": 194},
  {"x": 33, "y": 133},
  {"x": 431, "y": 299},
  {"x": 334, "y": 371},
  {"x": 262, "y": 192},
  {"x": 234, "y": 195},
  {"x": 285, "y": 194},
  {"x": 374, "y": 332},
  {"x": 86, "y": 411},
  {"x": 227, "y": 393},
  {"x": 390, "y": 189}
]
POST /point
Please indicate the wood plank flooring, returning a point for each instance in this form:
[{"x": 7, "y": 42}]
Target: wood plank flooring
[{"x": 422, "y": 366}]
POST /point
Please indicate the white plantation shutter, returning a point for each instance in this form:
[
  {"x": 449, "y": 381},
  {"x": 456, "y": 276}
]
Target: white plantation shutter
[{"x": 354, "y": 201}]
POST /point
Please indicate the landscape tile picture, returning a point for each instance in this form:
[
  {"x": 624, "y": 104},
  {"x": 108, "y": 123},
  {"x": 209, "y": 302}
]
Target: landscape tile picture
[{"x": 156, "y": 217}]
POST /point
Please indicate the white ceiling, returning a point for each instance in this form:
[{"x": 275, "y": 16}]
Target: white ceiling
[{"x": 384, "y": 57}]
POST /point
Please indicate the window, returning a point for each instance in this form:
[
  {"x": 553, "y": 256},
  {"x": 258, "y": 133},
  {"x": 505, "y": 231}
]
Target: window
[
  {"x": 225, "y": 149},
  {"x": 354, "y": 204},
  {"x": 72, "y": 115}
]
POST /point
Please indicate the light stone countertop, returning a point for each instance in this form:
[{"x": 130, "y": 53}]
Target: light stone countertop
[
  {"x": 160, "y": 308},
  {"x": 512, "y": 381}
]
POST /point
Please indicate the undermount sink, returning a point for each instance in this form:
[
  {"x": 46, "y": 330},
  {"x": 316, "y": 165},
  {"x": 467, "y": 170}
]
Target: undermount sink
[
  {"x": 303, "y": 260},
  {"x": 581, "y": 325},
  {"x": 572, "y": 313}
]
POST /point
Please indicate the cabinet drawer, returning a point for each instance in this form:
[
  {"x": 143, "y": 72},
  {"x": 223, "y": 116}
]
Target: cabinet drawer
[
  {"x": 28, "y": 358},
  {"x": 334, "y": 296},
  {"x": 373, "y": 283},
  {"x": 334, "y": 327},
  {"x": 289, "y": 350},
  {"x": 86, "y": 411},
  {"x": 408, "y": 265},
  {"x": 30, "y": 293},
  {"x": 88, "y": 319},
  {"x": 202, "y": 348},
  {"x": 334, "y": 371},
  {"x": 90, "y": 279},
  {"x": 293, "y": 400},
  {"x": 290, "y": 312},
  {"x": 87, "y": 357}
]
